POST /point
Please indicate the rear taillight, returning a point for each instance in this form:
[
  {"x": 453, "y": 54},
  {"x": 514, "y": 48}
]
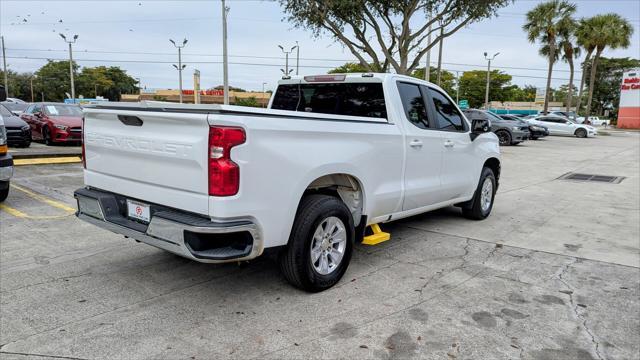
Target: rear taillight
[
  {"x": 84, "y": 157},
  {"x": 224, "y": 174}
]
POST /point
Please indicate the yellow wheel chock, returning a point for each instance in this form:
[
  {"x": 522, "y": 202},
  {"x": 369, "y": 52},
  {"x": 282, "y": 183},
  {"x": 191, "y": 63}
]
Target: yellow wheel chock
[{"x": 377, "y": 237}]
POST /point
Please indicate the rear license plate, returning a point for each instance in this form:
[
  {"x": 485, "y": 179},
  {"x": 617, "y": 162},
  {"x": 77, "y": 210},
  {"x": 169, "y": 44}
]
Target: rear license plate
[{"x": 139, "y": 211}]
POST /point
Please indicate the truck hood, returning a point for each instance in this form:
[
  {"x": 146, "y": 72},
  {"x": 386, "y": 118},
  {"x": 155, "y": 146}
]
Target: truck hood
[{"x": 13, "y": 122}]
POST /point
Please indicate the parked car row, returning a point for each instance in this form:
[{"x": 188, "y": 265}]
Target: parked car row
[
  {"x": 512, "y": 129},
  {"x": 46, "y": 121}
]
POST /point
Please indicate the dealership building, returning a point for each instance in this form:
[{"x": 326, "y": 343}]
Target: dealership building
[{"x": 629, "y": 112}]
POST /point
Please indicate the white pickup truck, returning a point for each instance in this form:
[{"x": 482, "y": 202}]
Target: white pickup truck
[{"x": 332, "y": 155}]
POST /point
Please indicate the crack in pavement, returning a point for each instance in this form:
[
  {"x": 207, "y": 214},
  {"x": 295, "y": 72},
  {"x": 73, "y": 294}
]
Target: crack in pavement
[
  {"x": 445, "y": 290},
  {"x": 42, "y": 355},
  {"x": 560, "y": 276}
]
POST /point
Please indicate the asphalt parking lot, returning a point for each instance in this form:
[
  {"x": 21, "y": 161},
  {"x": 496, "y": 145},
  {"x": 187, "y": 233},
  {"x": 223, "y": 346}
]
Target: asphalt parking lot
[{"x": 554, "y": 273}]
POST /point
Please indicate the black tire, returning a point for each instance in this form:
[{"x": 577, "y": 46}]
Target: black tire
[
  {"x": 26, "y": 143},
  {"x": 4, "y": 193},
  {"x": 474, "y": 210},
  {"x": 46, "y": 135},
  {"x": 581, "y": 133},
  {"x": 504, "y": 137},
  {"x": 534, "y": 138},
  {"x": 295, "y": 260}
]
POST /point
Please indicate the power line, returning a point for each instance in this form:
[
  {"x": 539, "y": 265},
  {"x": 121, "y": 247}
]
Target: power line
[
  {"x": 266, "y": 57},
  {"x": 241, "y": 63}
]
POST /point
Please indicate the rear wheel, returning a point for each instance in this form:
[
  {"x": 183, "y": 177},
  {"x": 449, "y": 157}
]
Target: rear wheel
[
  {"x": 581, "y": 133},
  {"x": 504, "y": 137},
  {"x": 320, "y": 244},
  {"x": 482, "y": 203},
  {"x": 534, "y": 138}
]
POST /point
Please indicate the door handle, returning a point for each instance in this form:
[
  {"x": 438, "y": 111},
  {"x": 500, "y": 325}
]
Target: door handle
[
  {"x": 415, "y": 143},
  {"x": 448, "y": 143}
]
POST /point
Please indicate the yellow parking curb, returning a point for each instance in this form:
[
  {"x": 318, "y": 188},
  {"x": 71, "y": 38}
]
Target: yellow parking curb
[{"x": 49, "y": 160}]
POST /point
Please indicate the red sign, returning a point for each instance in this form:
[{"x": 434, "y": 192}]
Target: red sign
[{"x": 205, "y": 92}]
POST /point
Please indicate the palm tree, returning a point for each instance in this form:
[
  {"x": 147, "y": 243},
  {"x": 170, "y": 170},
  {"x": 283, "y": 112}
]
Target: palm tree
[
  {"x": 569, "y": 52},
  {"x": 608, "y": 30},
  {"x": 584, "y": 36},
  {"x": 545, "y": 23}
]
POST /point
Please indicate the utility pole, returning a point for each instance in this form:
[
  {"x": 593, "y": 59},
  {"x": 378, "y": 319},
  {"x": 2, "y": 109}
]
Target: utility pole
[
  {"x": 70, "y": 42},
  {"x": 225, "y": 57},
  {"x": 263, "y": 97},
  {"x": 196, "y": 86},
  {"x": 31, "y": 82},
  {"x": 457, "y": 88},
  {"x": 179, "y": 67},
  {"x": 440, "y": 54},
  {"x": 4, "y": 62},
  {"x": 427, "y": 68},
  {"x": 286, "y": 70},
  {"x": 297, "y": 58},
  {"x": 486, "y": 93}
]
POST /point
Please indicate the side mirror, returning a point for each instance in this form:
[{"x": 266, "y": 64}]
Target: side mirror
[
  {"x": 37, "y": 114},
  {"x": 479, "y": 126}
]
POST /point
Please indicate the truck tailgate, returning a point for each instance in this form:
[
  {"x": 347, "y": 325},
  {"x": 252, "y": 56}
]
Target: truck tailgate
[{"x": 155, "y": 156}]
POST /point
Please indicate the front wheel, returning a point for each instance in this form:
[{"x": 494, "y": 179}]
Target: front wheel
[
  {"x": 4, "y": 185},
  {"x": 46, "y": 134},
  {"x": 482, "y": 202},
  {"x": 581, "y": 133},
  {"x": 504, "y": 137},
  {"x": 320, "y": 244}
]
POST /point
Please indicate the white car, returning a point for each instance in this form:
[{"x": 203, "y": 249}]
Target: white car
[
  {"x": 562, "y": 126},
  {"x": 333, "y": 154},
  {"x": 594, "y": 120}
]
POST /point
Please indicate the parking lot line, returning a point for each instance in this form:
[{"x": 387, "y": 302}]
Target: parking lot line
[
  {"x": 47, "y": 161},
  {"x": 11, "y": 211},
  {"x": 44, "y": 199}
]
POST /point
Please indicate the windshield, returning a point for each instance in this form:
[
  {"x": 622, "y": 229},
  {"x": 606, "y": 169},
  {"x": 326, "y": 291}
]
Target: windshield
[
  {"x": 63, "y": 110},
  {"x": 493, "y": 116},
  {"x": 15, "y": 106},
  {"x": 4, "y": 111}
]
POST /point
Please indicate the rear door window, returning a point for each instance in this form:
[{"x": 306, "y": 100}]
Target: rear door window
[
  {"x": 352, "y": 99},
  {"x": 413, "y": 104}
]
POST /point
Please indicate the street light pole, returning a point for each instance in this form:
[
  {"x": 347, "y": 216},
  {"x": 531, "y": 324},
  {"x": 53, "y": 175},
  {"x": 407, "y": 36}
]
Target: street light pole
[
  {"x": 4, "y": 62},
  {"x": 486, "y": 93},
  {"x": 225, "y": 57},
  {"x": 286, "y": 70},
  {"x": 457, "y": 88},
  {"x": 440, "y": 54},
  {"x": 180, "y": 67},
  {"x": 70, "y": 42},
  {"x": 427, "y": 68}
]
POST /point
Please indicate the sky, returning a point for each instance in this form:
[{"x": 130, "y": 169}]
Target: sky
[{"x": 135, "y": 36}]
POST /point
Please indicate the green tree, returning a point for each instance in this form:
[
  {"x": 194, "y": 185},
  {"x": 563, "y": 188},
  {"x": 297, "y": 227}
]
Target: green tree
[
  {"x": 516, "y": 93},
  {"x": 53, "y": 79},
  {"x": 447, "y": 82},
  {"x": 382, "y": 34},
  {"x": 19, "y": 84},
  {"x": 609, "y": 30},
  {"x": 585, "y": 39},
  {"x": 545, "y": 23},
  {"x": 473, "y": 84},
  {"x": 250, "y": 101},
  {"x": 349, "y": 67},
  {"x": 606, "y": 92}
]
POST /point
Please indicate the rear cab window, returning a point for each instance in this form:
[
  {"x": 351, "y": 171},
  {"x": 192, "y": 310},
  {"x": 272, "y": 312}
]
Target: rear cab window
[{"x": 349, "y": 98}]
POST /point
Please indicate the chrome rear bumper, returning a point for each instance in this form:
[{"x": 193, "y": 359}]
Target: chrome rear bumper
[{"x": 182, "y": 233}]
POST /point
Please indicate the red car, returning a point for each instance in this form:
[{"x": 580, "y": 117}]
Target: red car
[{"x": 54, "y": 122}]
